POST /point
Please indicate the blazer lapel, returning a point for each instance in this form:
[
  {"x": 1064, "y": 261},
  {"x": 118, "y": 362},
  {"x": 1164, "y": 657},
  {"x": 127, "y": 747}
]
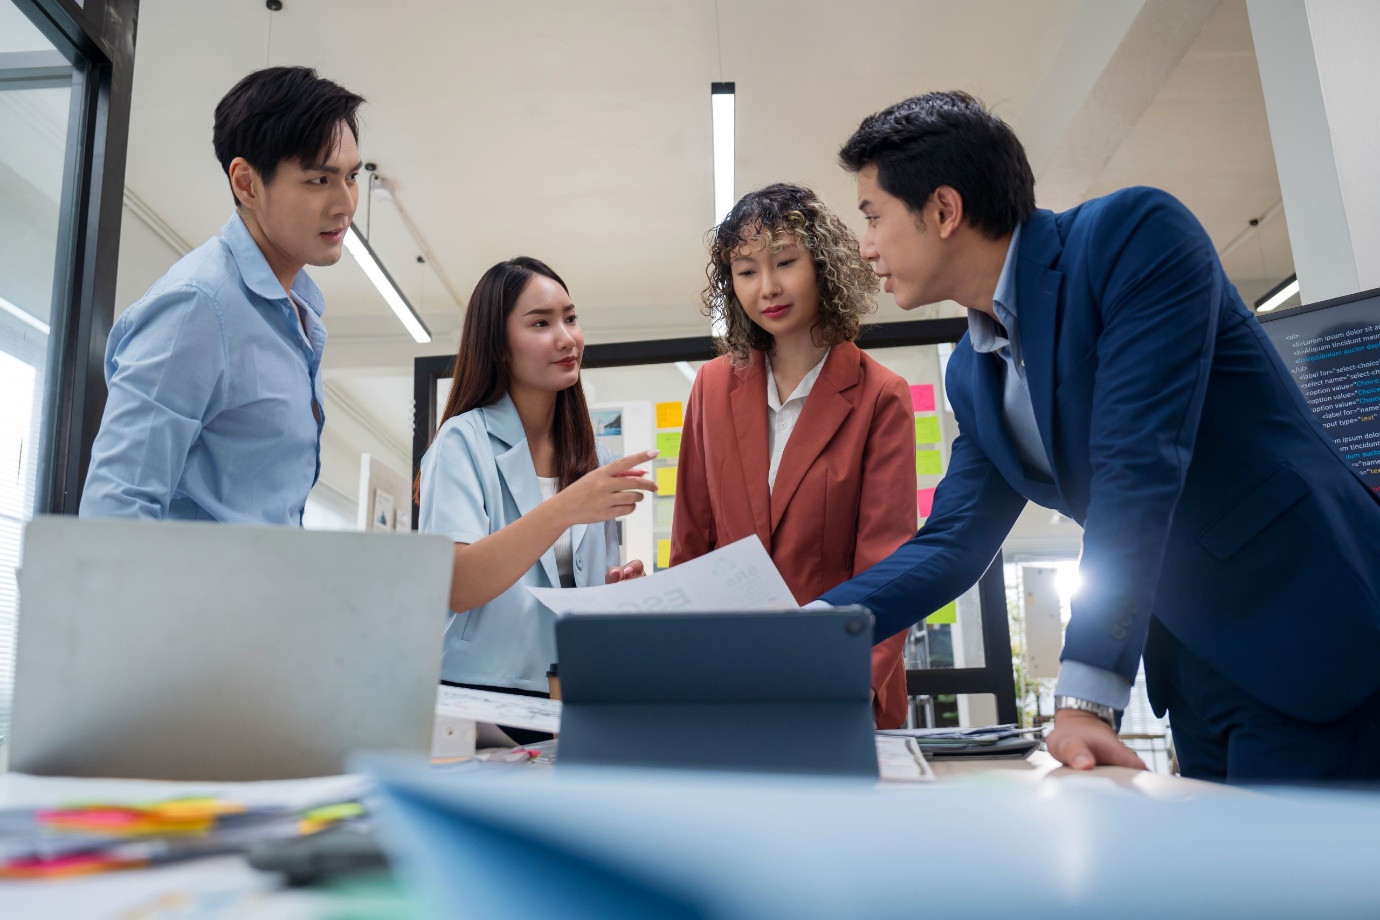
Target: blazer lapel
[
  {"x": 1037, "y": 317},
  {"x": 825, "y": 409},
  {"x": 519, "y": 475},
  {"x": 749, "y": 401}
]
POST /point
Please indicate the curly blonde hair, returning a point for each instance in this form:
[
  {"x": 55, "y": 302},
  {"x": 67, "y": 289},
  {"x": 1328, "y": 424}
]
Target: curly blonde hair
[{"x": 784, "y": 214}]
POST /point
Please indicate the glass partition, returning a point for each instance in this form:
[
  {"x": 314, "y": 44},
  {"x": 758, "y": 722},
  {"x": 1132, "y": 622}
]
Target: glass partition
[{"x": 35, "y": 101}]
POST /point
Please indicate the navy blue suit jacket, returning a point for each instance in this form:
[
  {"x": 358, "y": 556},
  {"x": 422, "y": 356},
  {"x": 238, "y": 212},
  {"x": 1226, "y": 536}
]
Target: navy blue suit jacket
[{"x": 1210, "y": 496}]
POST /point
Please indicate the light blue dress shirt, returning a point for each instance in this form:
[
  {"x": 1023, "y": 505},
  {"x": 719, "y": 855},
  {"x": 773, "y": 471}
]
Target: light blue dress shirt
[
  {"x": 477, "y": 478},
  {"x": 215, "y": 409},
  {"x": 1018, "y": 414}
]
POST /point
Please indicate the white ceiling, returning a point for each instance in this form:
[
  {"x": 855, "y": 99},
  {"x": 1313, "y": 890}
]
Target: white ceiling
[{"x": 580, "y": 133}]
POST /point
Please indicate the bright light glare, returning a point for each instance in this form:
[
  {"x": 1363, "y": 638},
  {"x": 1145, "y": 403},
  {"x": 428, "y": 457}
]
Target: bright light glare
[
  {"x": 1067, "y": 583},
  {"x": 1284, "y": 293},
  {"x": 391, "y": 295},
  {"x": 723, "y": 155}
]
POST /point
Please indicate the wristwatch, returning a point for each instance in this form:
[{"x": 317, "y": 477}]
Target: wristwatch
[{"x": 1103, "y": 712}]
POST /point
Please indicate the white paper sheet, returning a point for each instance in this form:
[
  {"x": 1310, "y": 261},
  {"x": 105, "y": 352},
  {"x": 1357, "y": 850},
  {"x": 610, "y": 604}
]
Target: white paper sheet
[
  {"x": 900, "y": 760},
  {"x": 530, "y": 712},
  {"x": 22, "y": 790},
  {"x": 740, "y": 576}
]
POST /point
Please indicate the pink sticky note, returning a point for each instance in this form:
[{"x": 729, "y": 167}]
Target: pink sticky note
[
  {"x": 924, "y": 500},
  {"x": 922, "y": 397}
]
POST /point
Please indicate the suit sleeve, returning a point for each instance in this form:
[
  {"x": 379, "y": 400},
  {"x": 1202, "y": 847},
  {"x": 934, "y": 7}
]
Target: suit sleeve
[
  {"x": 165, "y": 373},
  {"x": 1157, "y": 283},
  {"x": 886, "y": 519},
  {"x": 974, "y": 509},
  {"x": 692, "y": 528}
]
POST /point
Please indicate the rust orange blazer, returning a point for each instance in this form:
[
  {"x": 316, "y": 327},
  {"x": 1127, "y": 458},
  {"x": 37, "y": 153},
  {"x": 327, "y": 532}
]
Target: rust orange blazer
[{"x": 844, "y": 495}]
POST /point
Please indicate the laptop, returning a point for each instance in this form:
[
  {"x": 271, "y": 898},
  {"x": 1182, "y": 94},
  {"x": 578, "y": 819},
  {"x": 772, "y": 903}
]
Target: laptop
[
  {"x": 201, "y": 651},
  {"x": 760, "y": 691}
]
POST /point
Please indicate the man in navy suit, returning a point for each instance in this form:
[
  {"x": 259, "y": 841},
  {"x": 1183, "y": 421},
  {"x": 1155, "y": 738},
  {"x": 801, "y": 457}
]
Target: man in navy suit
[{"x": 1112, "y": 373}]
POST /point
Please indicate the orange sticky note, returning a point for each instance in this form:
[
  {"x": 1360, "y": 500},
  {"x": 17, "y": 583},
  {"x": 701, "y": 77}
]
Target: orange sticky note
[
  {"x": 927, "y": 429},
  {"x": 922, "y": 397},
  {"x": 670, "y": 415},
  {"x": 924, "y": 501},
  {"x": 663, "y": 554},
  {"x": 929, "y": 462},
  {"x": 666, "y": 480}
]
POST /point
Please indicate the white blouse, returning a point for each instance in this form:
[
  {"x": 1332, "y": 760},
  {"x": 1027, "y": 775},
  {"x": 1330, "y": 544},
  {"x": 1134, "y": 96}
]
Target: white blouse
[{"x": 565, "y": 553}]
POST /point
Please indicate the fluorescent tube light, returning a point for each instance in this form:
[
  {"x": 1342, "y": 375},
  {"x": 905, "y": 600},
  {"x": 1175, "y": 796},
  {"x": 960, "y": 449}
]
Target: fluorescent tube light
[
  {"x": 721, "y": 96},
  {"x": 686, "y": 370},
  {"x": 23, "y": 316},
  {"x": 1281, "y": 292},
  {"x": 364, "y": 254}
]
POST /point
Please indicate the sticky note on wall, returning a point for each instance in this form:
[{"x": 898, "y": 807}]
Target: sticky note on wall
[
  {"x": 666, "y": 481},
  {"x": 924, "y": 501},
  {"x": 922, "y": 397},
  {"x": 929, "y": 462},
  {"x": 927, "y": 429},
  {"x": 668, "y": 442},
  {"x": 670, "y": 415},
  {"x": 946, "y": 614},
  {"x": 663, "y": 554}
]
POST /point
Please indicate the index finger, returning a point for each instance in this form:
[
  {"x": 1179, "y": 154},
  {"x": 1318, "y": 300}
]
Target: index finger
[{"x": 630, "y": 461}]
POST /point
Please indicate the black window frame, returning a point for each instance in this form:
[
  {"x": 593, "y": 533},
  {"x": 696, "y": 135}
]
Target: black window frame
[{"x": 97, "y": 37}]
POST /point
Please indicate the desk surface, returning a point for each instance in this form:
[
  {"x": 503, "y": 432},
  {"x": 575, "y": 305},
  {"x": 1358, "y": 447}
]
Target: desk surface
[
  {"x": 229, "y": 879},
  {"x": 1043, "y": 770}
]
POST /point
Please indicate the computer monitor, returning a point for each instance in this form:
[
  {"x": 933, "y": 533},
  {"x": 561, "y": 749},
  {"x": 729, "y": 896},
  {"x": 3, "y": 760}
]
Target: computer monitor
[
  {"x": 760, "y": 691},
  {"x": 1332, "y": 349}
]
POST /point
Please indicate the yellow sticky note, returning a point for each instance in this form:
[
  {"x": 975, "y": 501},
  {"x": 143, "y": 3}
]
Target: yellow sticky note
[
  {"x": 670, "y": 415},
  {"x": 946, "y": 614},
  {"x": 929, "y": 462},
  {"x": 663, "y": 554},
  {"x": 666, "y": 480},
  {"x": 927, "y": 429},
  {"x": 668, "y": 443}
]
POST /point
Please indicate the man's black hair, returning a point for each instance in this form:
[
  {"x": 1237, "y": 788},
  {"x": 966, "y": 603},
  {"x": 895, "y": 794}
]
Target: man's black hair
[
  {"x": 282, "y": 113},
  {"x": 947, "y": 139}
]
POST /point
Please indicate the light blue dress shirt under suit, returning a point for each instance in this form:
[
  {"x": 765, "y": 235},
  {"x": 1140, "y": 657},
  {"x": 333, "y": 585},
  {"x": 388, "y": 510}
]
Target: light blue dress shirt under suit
[
  {"x": 214, "y": 410},
  {"x": 477, "y": 478},
  {"x": 1076, "y": 679}
]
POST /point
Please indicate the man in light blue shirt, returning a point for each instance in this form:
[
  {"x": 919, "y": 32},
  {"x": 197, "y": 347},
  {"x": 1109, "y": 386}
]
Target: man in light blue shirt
[{"x": 214, "y": 409}]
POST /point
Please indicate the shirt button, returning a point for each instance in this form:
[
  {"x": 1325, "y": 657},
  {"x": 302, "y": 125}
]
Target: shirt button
[{"x": 783, "y": 426}]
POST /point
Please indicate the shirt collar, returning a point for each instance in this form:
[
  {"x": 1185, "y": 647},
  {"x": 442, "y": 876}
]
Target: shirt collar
[
  {"x": 503, "y": 421},
  {"x": 257, "y": 275},
  {"x": 982, "y": 331},
  {"x": 802, "y": 390}
]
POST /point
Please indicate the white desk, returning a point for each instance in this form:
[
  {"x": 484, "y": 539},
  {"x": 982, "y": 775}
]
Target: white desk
[{"x": 229, "y": 880}]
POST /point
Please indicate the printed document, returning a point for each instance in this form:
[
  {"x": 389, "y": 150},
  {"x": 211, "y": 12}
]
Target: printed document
[{"x": 740, "y": 576}]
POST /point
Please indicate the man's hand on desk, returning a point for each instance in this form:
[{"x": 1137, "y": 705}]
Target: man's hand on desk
[{"x": 1081, "y": 740}]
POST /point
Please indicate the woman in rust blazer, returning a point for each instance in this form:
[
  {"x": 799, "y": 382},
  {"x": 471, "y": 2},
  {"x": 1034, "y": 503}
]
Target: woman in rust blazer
[{"x": 793, "y": 433}]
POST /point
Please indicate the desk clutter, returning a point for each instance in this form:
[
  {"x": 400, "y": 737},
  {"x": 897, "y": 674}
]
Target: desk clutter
[
  {"x": 984, "y": 741},
  {"x": 61, "y": 828}
]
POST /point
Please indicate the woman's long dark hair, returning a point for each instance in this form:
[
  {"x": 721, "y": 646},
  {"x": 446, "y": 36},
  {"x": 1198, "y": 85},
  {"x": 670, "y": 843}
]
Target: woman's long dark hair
[{"x": 481, "y": 366}]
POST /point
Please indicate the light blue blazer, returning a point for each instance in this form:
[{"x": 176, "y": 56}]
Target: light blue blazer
[{"x": 477, "y": 478}]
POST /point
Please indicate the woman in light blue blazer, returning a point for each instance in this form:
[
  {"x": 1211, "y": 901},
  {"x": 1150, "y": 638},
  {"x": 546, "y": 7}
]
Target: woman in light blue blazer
[{"x": 516, "y": 479}]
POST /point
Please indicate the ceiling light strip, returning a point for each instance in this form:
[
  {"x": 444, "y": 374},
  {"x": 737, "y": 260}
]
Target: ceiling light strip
[
  {"x": 392, "y": 295},
  {"x": 1282, "y": 292},
  {"x": 722, "y": 98}
]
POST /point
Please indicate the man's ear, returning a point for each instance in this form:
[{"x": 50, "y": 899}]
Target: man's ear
[
  {"x": 245, "y": 183},
  {"x": 948, "y": 210}
]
